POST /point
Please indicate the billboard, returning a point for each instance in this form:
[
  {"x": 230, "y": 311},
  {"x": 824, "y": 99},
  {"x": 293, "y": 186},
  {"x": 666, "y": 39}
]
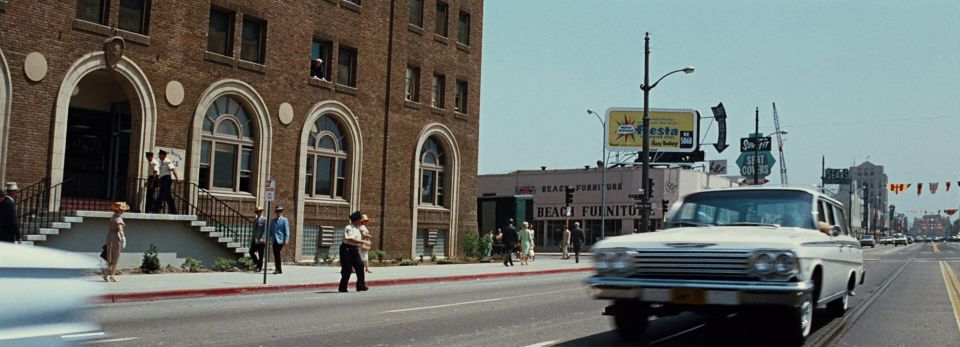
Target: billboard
[{"x": 671, "y": 130}]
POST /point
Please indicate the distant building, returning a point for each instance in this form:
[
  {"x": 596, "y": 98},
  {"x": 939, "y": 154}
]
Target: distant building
[
  {"x": 932, "y": 225},
  {"x": 622, "y": 215},
  {"x": 871, "y": 183}
]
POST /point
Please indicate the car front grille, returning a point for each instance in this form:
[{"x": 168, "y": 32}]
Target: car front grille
[{"x": 691, "y": 264}]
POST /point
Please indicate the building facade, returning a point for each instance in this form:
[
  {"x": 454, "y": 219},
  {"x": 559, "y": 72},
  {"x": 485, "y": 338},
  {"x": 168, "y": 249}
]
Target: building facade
[
  {"x": 871, "y": 186},
  {"x": 387, "y": 123},
  {"x": 621, "y": 216}
]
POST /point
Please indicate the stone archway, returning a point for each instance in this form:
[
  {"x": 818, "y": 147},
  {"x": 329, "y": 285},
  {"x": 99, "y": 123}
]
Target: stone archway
[
  {"x": 348, "y": 121},
  {"x": 445, "y": 135},
  {"x": 6, "y": 98},
  {"x": 143, "y": 108}
]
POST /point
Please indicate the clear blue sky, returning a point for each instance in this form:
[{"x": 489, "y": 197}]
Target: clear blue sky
[{"x": 850, "y": 79}]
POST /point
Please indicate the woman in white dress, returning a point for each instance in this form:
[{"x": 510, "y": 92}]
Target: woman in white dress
[{"x": 365, "y": 250}]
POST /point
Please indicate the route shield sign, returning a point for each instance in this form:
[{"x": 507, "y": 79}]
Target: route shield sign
[{"x": 746, "y": 163}]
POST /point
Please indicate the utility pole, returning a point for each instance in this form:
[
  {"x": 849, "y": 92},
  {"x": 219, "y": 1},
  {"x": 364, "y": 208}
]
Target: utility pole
[
  {"x": 756, "y": 149},
  {"x": 645, "y": 170}
]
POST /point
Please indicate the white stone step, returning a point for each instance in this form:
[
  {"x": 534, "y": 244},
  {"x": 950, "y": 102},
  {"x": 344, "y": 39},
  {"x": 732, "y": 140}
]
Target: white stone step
[
  {"x": 36, "y": 237},
  {"x": 60, "y": 225},
  {"x": 225, "y": 239},
  {"x": 73, "y": 219},
  {"x": 240, "y": 250},
  {"x": 27, "y": 243},
  {"x": 49, "y": 231},
  {"x": 234, "y": 245},
  {"x": 215, "y": 234},
  {"x": 198, "y": 223},
  {"x": 208, "y": 229}
]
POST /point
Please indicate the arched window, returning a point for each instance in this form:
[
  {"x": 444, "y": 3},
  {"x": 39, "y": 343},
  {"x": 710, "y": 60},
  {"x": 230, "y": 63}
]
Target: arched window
[
  {"x": 327, "y": 160},
  {"x": 226, "y": 148},
  {"x": 433, "y": 164}
]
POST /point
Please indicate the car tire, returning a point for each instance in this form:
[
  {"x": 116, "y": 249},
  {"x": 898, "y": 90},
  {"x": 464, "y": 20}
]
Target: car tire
[
  {"x": 631, "y": 319},
  {"x": 838, "y": 307},
  {"x": 796, "y": 322}
]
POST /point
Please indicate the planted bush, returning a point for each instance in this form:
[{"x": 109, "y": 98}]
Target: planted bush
[
  {"x": 445, "y": 261},
  {"x": 246, "y": 264},
  {"x": 224, "y": 264},
  {"x": 379, "y": 255},
  {"x": 151, "y": 260},
  {"x": 408, "y": 262},
  {"x": 192, "y": 265}
]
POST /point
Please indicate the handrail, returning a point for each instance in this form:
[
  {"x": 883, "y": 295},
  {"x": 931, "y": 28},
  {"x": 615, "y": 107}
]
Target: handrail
[{"x": 216, "y": 212}]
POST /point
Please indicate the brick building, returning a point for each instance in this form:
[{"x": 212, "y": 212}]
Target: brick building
[{"x": 389, "y": 125}]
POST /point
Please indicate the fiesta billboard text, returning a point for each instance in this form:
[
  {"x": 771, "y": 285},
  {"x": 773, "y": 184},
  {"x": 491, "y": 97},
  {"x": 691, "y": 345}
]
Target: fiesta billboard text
[{"x": 671, "y": 130}]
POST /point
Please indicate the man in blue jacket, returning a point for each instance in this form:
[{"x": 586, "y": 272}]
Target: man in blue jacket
[{"x": 279, "y": 234}]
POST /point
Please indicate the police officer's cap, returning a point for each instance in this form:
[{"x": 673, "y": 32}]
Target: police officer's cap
[{"x": 356, "y": 216}]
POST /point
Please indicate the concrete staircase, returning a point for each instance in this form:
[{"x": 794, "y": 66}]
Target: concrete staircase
[{"x": 55, "y": 228}]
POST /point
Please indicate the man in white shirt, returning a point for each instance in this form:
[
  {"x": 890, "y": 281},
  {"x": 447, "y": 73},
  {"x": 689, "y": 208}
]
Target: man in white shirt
[
  {"x": 166, "y": 170},
  {"x": 153, "y": 172},
  {"x": 350, "y": 261}
]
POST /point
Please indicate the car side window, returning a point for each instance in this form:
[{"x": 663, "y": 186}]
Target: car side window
[
  {"x": 841, "y": 219},
  {"x": 826, "y": 212},
  {"x": 821, "y": 216}
]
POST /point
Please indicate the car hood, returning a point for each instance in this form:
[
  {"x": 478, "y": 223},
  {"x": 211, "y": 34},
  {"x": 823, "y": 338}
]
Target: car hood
[{"x": 732, "y": 237}]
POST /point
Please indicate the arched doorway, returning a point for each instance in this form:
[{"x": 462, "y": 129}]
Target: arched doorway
[{"x": 105, "y": 120}]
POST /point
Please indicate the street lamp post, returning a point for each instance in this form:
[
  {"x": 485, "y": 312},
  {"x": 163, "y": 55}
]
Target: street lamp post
[
  {"x": 645, "y": 171},
  {"x": 603, "y": 175}
]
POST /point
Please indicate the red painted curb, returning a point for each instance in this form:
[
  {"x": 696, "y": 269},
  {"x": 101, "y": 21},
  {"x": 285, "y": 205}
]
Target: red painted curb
[{"x": 200, "y": 293}]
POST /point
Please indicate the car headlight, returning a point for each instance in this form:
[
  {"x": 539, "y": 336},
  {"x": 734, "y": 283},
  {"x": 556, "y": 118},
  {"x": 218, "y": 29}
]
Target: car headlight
[
  {"x": 622, "y": 262},
  {"x": 602, "y": 261},
  {"x": 785, "y": 263},
  {"x": 763, "y": 263}
]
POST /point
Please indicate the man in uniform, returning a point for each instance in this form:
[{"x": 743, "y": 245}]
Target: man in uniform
[
  {"x": 167, "y": 169},
  {"x": 350, "y": 261},
  {"x": 153, "y": 172},
  {"x": 577, "y": 237}
]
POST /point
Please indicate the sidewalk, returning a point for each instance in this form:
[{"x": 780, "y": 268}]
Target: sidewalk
[{"x": 303, "y": 278}]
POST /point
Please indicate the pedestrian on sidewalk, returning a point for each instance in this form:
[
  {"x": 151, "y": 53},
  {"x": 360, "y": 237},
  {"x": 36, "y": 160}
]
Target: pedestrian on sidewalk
[
  {"x": 280, "y": 234},
  {"x": 531, "y": 255},
  {"x": 565, "y": 243},
  {"x": 488, "y": 244},
  {"x": 510, "y": 238},
  {"x": 167, "y": 172},
  {"x": 365, "y": 249},
  {"x": 577, "y": 237},
  {"x": 350, "y": 261},
  {"x": 525, "y": 243},
  {"x": 9, "y": 223},
  {"x": 116, "y": 241},
  {"x": 153, "y": 178},
  {"x": 258, "y": 241},
  {"x": 498, "y": 242}
]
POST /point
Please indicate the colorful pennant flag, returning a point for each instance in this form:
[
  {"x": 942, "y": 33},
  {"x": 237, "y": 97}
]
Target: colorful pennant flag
[
  {"x": 950, "y": 212},
  {"x": 919, "y": 189},
  {"x": 948, "y": 185},
  {"x": 933, "y": 187}
]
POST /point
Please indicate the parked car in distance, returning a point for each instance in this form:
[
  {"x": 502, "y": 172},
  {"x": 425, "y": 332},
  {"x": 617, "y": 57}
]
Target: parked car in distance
[
  {"x": 759, "y": 252},
  {"x": 909, "y": 240},
  {"x": 886, "y": 240},
  {"x": 48, "y": 297},
  {"x": 868, "y": 240}
]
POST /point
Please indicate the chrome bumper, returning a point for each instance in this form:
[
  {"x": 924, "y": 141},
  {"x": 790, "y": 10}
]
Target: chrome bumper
[{"x": 724, "y": 293}]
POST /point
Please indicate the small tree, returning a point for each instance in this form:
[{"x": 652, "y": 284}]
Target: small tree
[
  {"x": 151, "y": 260},
  {"x": 192, "y": 265}
]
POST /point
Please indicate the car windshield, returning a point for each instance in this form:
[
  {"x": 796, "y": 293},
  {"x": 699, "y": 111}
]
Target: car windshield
[
  {"x": 868, "y": 237},
  {"x": 746, "y": 207}
]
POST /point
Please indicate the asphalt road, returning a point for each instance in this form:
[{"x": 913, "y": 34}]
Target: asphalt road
[{"x": 904, "y": 302}]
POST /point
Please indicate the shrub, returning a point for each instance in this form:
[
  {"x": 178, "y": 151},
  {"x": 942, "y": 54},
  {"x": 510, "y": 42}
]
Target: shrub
[
  {"x": 246, "y": 264},
  {"x": 224, "y": 264},
  {"x": 398, "y": 259},
  {"x": 408, "y": 262},
  {"x": 472, "y": 246},
  {"x": 151, "y": 260},
  {"x": 379, "y": 255},
  {"x": 433, "y": 258},
  {"x": 445, "y": 261},
  {"x": 192, "y": 265}
]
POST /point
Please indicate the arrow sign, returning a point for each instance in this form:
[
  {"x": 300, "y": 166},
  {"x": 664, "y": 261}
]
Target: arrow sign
[{"x": 721, "y": 116}]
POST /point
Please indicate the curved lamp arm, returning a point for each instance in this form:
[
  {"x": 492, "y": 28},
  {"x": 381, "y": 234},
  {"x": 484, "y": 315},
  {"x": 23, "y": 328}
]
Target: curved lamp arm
[{"x": 687, "y": 70}]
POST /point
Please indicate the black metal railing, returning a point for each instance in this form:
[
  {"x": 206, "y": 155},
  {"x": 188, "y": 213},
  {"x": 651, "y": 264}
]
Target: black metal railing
[
  {"x": 215, "y": 212},
  {"x": 34, "y": 210}
]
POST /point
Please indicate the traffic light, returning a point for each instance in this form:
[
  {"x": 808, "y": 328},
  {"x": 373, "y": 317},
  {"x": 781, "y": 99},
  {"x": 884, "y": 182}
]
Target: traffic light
[
  {"x": 569, "y": 194},
  {"x": 666, "y": 207},
  {"x": 649, "y": 187}
]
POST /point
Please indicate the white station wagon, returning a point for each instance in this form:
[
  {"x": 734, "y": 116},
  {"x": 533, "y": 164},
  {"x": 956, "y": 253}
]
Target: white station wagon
[{"x": 776, "y": 253}]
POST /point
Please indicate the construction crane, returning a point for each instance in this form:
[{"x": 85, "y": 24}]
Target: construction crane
[{"x": 783, "y": 162}]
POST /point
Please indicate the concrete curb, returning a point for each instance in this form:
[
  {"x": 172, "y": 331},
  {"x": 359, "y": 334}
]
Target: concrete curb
[{"x": 265, "y": 289}]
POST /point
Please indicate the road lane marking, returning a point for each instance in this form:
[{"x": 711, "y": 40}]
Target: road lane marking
[
  {"x": 953, "y": 289},
  {"x": 122, "y": 339},
  {"x": 544, "y": 344},
  {"x": 481, "y": 301},
  {"x": 935, "y": 248}
]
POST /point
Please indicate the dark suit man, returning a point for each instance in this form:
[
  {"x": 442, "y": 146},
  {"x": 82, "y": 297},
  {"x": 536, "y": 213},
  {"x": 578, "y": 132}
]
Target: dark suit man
[
  {"x": 510, "y": 238},
  {"x": 9, "y": 225},
  {"x": 577, "y": 237}
]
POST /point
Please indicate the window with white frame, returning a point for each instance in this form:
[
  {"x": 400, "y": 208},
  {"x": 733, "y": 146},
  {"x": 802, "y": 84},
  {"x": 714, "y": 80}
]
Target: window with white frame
[
  {"x": 433, "y": 164},
  {"x": 226, "y": 147},
  {"x": 327, "y": 160},
  {"x": 412, "y": 84}
]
